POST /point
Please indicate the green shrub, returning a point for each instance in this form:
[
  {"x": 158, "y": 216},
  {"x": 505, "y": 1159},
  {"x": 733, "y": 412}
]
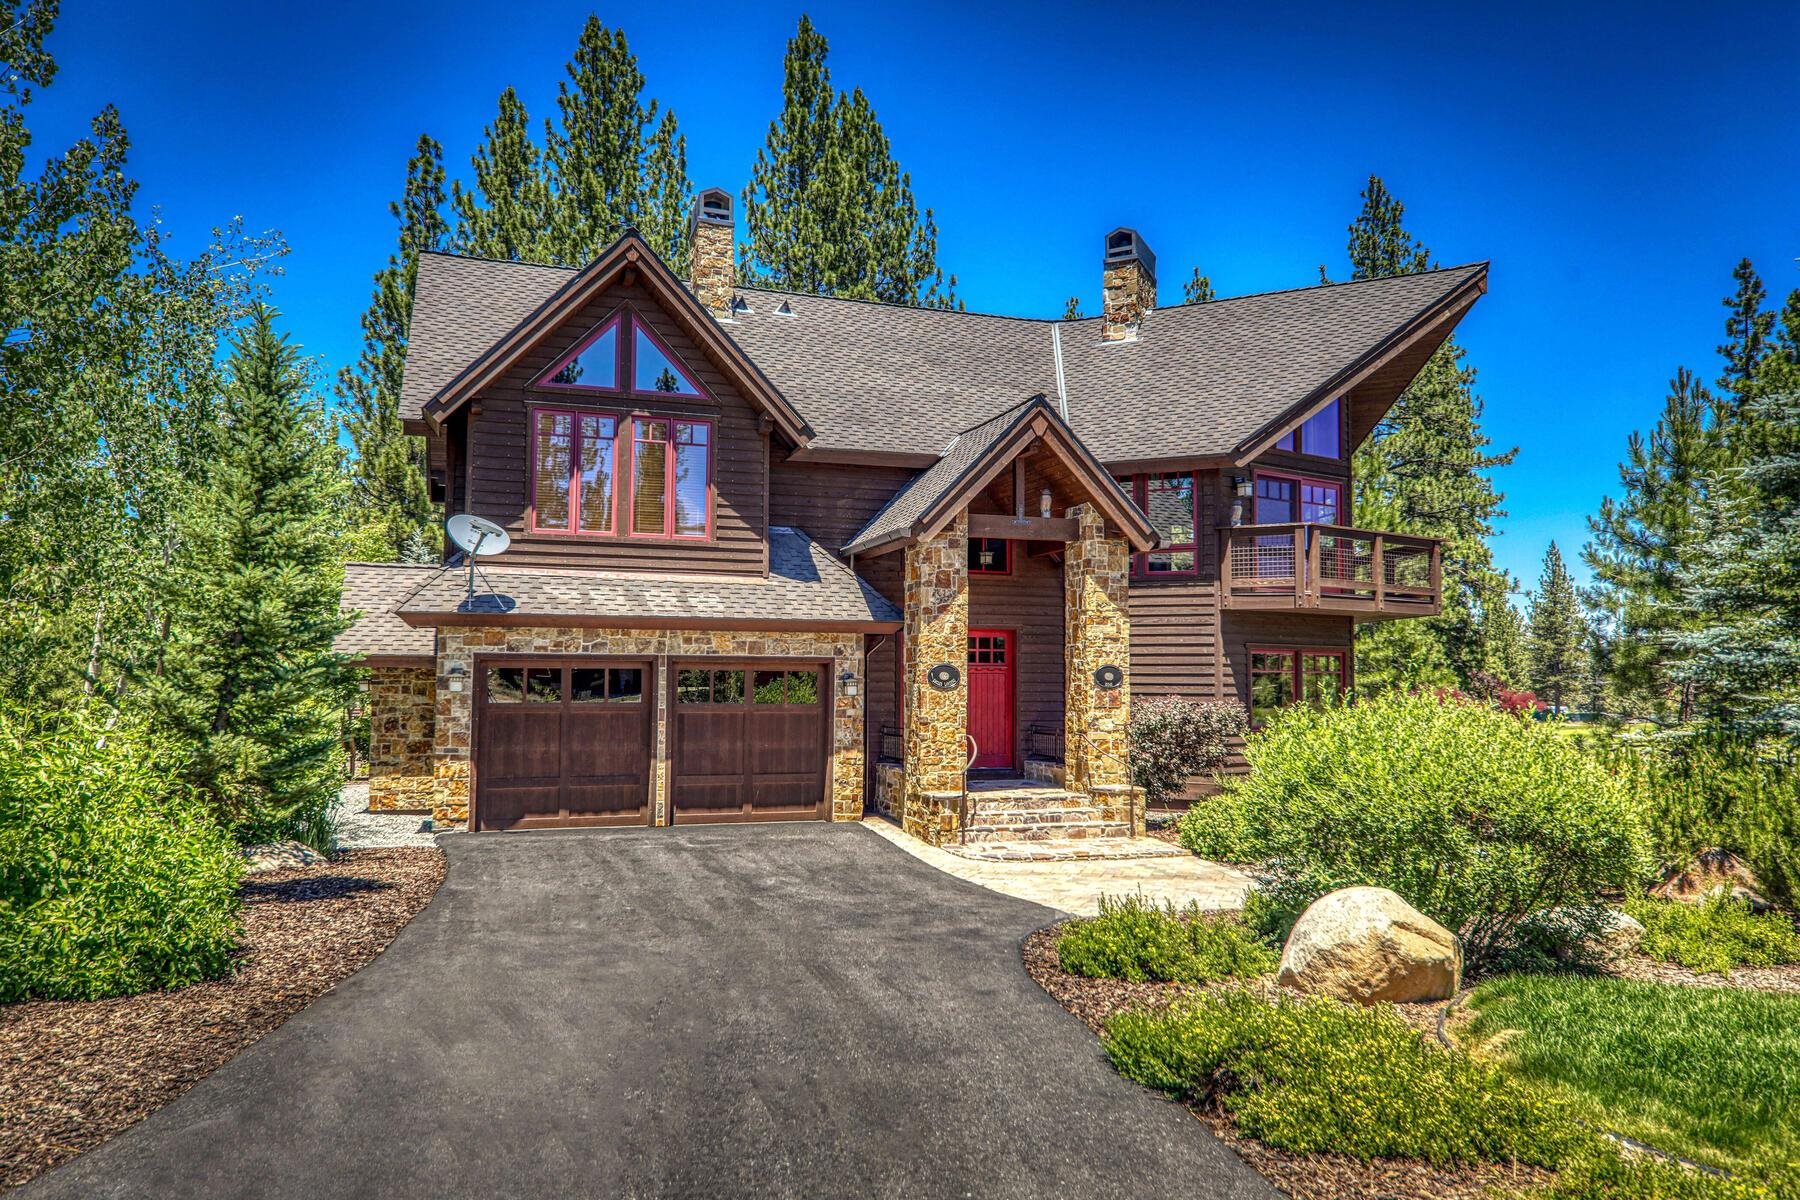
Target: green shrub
[
  {"x": 1478, "y": 819},
  {"x": 1609, "y": 1175},
  {"x": 1316, "y": 1076},
  {"x": 1716, "y": 934},
  {"x": 1173, "y": 739},
  {"x": 1215, "y": 828},
  {"x": 1135, "y": 940},
  {"x": 112, "y": 878}
]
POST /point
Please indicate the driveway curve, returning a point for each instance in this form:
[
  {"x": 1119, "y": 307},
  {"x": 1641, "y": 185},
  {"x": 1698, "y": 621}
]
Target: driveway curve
[{"x": 716, "y": 1011}]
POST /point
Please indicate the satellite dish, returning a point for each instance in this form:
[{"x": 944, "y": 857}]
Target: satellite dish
[{"x": 477, "y": 535}]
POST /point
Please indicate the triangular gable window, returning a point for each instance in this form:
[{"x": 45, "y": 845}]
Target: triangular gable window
[
  {"x": 592, "y": 366},
  {"x": 654, "y": 369}
]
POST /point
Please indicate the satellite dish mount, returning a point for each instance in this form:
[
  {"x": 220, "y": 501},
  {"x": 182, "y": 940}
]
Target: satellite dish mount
[{"x": 475, "y": 537}]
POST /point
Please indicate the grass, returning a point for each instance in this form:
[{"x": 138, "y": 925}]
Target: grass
[
  {"x": 1715, "y": 935},
  {"x": 1135, "y": 940},
  {"x": 1707, "y": 1073}
]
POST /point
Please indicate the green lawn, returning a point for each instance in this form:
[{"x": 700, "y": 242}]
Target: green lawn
[{"x": 1709, "y": 1073}]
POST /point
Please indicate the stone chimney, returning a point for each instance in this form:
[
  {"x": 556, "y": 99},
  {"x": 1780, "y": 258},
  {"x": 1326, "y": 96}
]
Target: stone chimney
[
  {"x": 712, "y": 250},
  {"x": 1128, "y": 284}
]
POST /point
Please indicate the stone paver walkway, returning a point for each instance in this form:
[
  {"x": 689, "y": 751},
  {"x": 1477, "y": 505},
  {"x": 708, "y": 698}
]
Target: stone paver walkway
[
  {"x": 1076, "y": 887},
  {"x": 1066, "y": 849},
  {"x": 360, "y": 829}
]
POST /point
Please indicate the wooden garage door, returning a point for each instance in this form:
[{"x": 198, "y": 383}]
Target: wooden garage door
[
  {"x": 748, "y": 742},
  {"x": 562, "y": 743}
]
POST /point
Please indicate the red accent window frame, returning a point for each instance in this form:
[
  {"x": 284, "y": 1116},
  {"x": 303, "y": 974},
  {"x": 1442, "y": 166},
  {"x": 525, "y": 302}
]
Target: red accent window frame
[
  {"x": 572, "y": 484},
  {"x": 1138, "y": 488},
  {"x": 1294, "y": 440},
  {"x": 673, "y": 430},
  {"x": 1298, "y": 673},
  {"x": 547, "y": 377},
  {"x": 1006, "y": 557},
  {"x": 626, "y": 324},
  {"x": 1301, "y": 483}
]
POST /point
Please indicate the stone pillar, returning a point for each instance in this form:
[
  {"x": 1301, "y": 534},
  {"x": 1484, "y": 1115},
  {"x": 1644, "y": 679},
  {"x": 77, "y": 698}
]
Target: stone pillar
[
  {"x": 1097, "y": 633},
  {"x": 936, "y": 722},
  {"x": 402, "y": 715},
  {"x": 450, "y": 739}
]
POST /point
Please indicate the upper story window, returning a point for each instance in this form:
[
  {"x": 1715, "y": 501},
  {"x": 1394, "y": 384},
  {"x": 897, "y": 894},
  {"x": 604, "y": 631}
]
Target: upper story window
[
  {"x": 578, "y": 458},
  {"x": 601, "y": 362},
  {"x": 990, "y": 556},
  {"x": 1172, "y": 502},
  {"x": 1321, "y": 434},
  {"x": 1285, "y": 499}
]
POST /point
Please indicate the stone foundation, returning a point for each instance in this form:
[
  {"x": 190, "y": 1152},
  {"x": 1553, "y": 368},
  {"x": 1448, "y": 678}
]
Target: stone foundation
[
  {"x": 937, "y": 632},
  {"x": 402, "y": 706},
  {"x": 890, "y": 790},
  {"x": 458, "y": 645}
]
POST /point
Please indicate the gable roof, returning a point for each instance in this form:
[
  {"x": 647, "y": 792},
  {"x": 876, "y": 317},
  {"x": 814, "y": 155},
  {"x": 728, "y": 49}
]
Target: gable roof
[
  {"x": 379, "y": 636},
  {"x": 807, "y": 588},
  {"x": 1200, "y": 380},
  {"x": 935, "y": 495},
  {"x": 574, "y": 289}
]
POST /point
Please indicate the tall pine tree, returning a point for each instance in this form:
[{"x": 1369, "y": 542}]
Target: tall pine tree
[
  {"x": 828, "y": 209},
  {"x": 1426, "y": 467},
  {"x": 1198, "y": 289},
  {"x": 249, "y": 681},
  {"x": 1747, "y": 329},
  {"x": 1558, "y": 635},
  {"x": 506, "y": 212},
  {"x": 393, "y": 516}
]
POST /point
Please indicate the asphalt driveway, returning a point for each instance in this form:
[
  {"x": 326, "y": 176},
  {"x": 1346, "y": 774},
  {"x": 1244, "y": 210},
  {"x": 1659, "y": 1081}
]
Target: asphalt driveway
[{"x": 773, "y": 1010}]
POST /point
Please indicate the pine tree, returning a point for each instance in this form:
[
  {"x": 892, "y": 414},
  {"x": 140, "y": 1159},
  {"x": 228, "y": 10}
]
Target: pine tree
[
  {"x": 1425, "y": 468},
  {"x": 249, "y": 682},
  {"x": 1747, "y": 329},
  {"x": 1072, "y": 309},
  {"x": 1503, "y": 640},
  {"x": 1197, "y": 290},
  {"x": 393, "y": 516},
  {"x": 668, "y": 195},
  {"x": 828, "y": 209},
  {"x": 1643, "y": 543},
  {"x": 1559, "y": 634},
  {"x": 507, "y": 212}
]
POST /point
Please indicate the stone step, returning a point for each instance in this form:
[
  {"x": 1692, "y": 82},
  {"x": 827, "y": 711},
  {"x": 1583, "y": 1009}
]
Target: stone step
[
  {"x": 1066, "y": 849},
  {"x": 1026, "y": 832},
  {"x": 1042, "y": 798},
  {"x": 1086, "y": 814}
]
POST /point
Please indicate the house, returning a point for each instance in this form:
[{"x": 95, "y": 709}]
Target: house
[{"x": 780, "y": 556}]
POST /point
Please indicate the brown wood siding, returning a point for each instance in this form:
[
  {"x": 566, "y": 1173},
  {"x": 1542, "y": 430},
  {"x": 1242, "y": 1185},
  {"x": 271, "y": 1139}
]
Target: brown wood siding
[
  {"x": 832, "y": 501},
  {"x": 500, "y": 464},
  {"x": 1175, "y": 622}
]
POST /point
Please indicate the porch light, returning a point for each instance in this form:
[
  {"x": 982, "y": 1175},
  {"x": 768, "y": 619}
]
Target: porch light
[
  {"x": 987, "y": 557},
  {"x": 1044, "y": 503},
  {"x": 1244, "y": 486},
  {"x": 847, "y": 683}
]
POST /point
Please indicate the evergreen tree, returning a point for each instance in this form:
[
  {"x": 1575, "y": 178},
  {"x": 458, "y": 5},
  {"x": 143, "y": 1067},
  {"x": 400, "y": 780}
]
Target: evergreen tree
[
  {"x": 1747, "y": 329},
  {"x": 1643, "y": 543},
  {"x": 393, "y": 516},
  {"x": 1425, "y": 468},
  {"x": 507, "y": 212},
  {"x": 828, "y": 209},
  {"x": 1072, "y": 309},
  {"x": 668, "y": 195},
  {"x": 250, "y": 683},
  {"x": 1504, "y": 642},
  {"x": 1197, "y": 290},
  {"x": 1559, "y": 634}
]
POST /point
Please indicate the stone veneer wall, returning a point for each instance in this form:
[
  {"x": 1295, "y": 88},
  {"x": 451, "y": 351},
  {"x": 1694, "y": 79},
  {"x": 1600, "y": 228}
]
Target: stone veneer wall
[
  {"x": 401, "y": 715},
  {"x": 1096, "y": 633},
  {"x": 458, "y": 645},
  {"x": 936, "y": 723},
  {"x": 890, "y": 790},
  {"x": 1127, "y": 294}
]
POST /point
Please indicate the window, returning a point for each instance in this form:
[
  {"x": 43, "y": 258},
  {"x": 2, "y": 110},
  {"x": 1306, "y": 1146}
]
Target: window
[
  {"x": 1172, "y": 502},
  {"x": 1281, "y": 499},
  {"x": 1279, "y": 676},
  {"x": 592, "y": 366},
  {"x": 724, "y": 686},
  {"x": 1321, "y": 434},
  {"x": 574, "y": 458},
  {"x": 785, "y": 687},
  {"x": 654, "y": 369},
  {"x": 671, "y": 478},
  {"x": 606, "y": 685},
  {"x": 990, "y": 556}
]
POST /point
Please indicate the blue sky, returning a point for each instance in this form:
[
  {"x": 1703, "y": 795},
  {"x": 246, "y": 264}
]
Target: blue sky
[{"x": 1612, "y": 161}]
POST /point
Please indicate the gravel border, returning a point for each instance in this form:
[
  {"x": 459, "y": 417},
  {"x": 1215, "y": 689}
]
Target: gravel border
[{"x": 74, "y": 1073}]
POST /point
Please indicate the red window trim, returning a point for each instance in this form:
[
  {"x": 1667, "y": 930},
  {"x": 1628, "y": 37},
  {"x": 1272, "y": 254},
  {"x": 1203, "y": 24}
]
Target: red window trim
[
  {"x": 546, "y": 378},
  {"x": 574, "y": 485},
  {"x": 630, "y": 376},
  {"x": 1346, "y": 663},
  {"x": 1006, "y": 568},
  {"x": 628, "y": 322},
  {"x": 668, "y": 533},
  {"x": 1299, "y": 481},
  {"x": 1299, "y": 447},
  {"x": 1139, "y": 488}
]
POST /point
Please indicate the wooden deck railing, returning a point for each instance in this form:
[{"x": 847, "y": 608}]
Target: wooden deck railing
[{"x": 1334, "y": 568}]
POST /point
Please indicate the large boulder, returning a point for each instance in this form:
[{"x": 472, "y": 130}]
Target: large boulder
[
  {"x": 265, "y": 857},
  {"x": 1712, "y": 872},
  {"x": 1367, "y": 945}
]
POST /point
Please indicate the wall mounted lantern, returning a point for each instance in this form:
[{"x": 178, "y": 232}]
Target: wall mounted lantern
[{"x": 847, "y": 683}]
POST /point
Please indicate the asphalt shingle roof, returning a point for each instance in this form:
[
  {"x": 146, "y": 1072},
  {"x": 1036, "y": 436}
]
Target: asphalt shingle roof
[
  {"x": 376, "y": 590},
  {"x": 806, "y": 585},
  {"x": 1199, "y": 379}
]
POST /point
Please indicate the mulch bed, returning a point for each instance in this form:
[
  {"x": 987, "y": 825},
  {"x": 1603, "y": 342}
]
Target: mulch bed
[
  {"x": 1303, "y": 1176},
  {"x": 74, "y": 1073}
]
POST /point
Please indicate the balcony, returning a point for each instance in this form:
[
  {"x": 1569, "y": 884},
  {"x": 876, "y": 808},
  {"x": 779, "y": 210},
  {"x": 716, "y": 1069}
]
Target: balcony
[{"x": 1330, "y": 568}]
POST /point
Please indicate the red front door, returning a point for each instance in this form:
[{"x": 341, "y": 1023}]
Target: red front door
[{"x": 991, "y": 697}]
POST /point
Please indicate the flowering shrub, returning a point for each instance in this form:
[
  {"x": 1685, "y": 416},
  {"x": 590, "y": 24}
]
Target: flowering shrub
[{"x": 1173, "y": 739}]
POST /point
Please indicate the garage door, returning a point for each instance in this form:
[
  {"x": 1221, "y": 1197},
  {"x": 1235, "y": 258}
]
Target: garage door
[
  {"x": 748, "y": 742},
  {"x": 562, "y": 743}
]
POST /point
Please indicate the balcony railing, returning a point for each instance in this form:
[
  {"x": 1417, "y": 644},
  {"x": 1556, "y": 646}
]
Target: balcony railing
[{"x": 1332, "y": 568}]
